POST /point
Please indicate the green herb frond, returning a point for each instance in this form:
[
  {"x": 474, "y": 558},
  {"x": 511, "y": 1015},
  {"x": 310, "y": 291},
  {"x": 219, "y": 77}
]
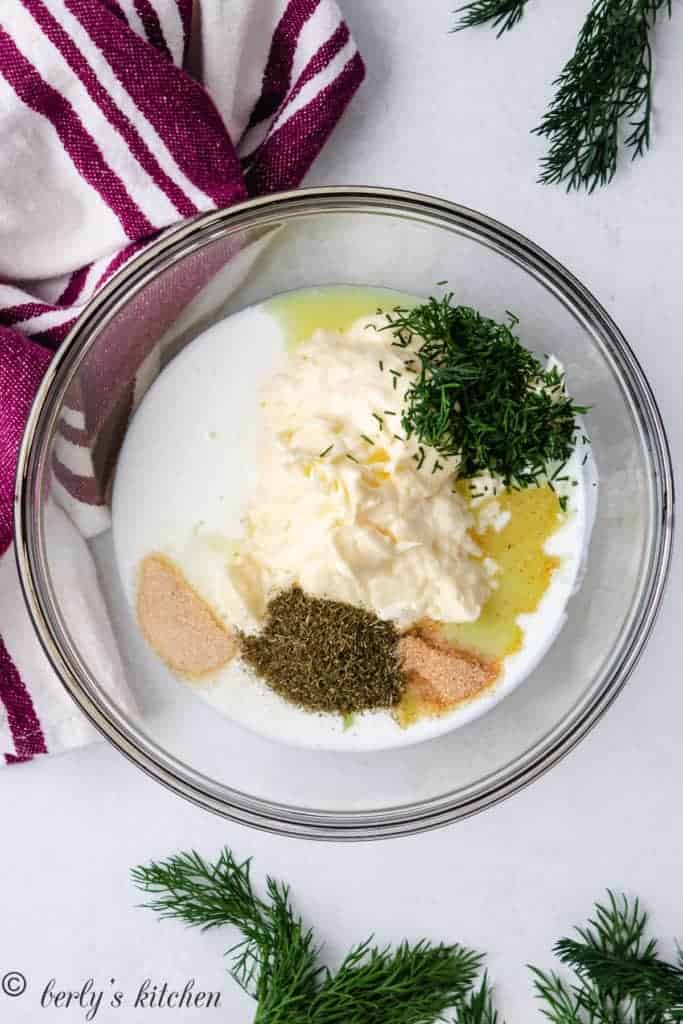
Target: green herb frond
[
  {"x": 478, "y": 1007},
  {"x": 202, "y": 895},
  {"x": 277, "y": 960},
  {"x": 503, "y": 15},
  {"x": 606, "y": 86},
  {"x": 409, "y": 984},
  {"x": 560, "y": 1003},
  {"x": 621, "y": 978},
  {"x": 603, "y": 95}
]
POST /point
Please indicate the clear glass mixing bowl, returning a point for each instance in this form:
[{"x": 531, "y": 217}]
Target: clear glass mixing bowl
[{"x": 216, "y": 265}]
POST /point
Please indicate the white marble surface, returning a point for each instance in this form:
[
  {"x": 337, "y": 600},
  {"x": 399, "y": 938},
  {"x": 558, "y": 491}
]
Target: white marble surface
[{"x": 449, "y": 115}]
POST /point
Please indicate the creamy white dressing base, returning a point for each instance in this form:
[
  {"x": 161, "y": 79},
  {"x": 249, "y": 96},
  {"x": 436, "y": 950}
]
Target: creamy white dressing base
[
  {"x": 346, "y": 507},
  {"x": 188, "y": 468}
]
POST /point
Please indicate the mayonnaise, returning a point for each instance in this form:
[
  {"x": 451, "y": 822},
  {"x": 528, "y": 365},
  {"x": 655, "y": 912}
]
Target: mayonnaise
[{"x": 344, "y": 506}]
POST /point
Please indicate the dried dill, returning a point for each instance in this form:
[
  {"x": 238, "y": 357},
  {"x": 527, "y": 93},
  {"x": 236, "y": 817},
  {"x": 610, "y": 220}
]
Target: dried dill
[{"x": 326, "y": 655}]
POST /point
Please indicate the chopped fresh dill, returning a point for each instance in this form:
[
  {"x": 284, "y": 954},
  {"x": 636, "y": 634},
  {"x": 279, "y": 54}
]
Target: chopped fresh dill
[
  {"x": 379, "y": 420},
  {"x": 423, "y": 456},
  {"x": 437, "y": 466},
  {"x": 381, "y": 366},
  {"x": 389, "y": 412},
  {"x": 481, "y": 396},
  {"x": 367, "y": 439},
  {"x": 439, "y": 284},
  {"x": 352, "y": 458},
  {"x": 326, "y": 452},
  {"x": 564, "y": 502}
]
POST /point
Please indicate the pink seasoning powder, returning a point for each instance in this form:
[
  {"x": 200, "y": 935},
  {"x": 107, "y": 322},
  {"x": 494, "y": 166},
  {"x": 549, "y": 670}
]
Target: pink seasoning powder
[{"x": 178, "y": 624}]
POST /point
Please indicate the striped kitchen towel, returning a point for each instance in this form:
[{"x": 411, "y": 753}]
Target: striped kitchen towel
[{"x": 119, "y": 118}]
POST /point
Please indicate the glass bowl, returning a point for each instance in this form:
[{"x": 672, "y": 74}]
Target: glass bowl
[{"x": 215, "y": 265}]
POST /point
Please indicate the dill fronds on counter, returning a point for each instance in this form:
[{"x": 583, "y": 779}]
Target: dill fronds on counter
[
  {"x": 277, "y": 960},
  {"x": 603, "y": 94},
  {"x": 503, "y": 14},
  {"x": 482, "y": 396},
  {"x": 620, "y": 977},
  {"x": 605, "y": 86}
]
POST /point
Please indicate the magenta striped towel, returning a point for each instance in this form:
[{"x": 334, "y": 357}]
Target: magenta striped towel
[{"x": 119, "y": 118}]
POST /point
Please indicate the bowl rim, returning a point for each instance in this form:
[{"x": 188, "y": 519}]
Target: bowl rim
[{"x": 180, "y": 241}]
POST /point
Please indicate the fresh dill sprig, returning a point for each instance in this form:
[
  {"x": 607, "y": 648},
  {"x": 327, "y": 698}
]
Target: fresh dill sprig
[
  {"x": 481, "y": 396},
  {"x": 478, "y": 1007},
  {"x": 620, "y": 977},
  {"x": 410, "y": 984},
  {"x": 606, "y": 85},
  {"x": 503, "y": 14},
  {"x": 603, "y": 94},
  {"x": 277, "y": 960}
]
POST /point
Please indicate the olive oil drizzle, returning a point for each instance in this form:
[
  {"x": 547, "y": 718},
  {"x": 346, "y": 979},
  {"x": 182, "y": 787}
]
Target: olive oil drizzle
[{"x": 525, "y": 571}]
